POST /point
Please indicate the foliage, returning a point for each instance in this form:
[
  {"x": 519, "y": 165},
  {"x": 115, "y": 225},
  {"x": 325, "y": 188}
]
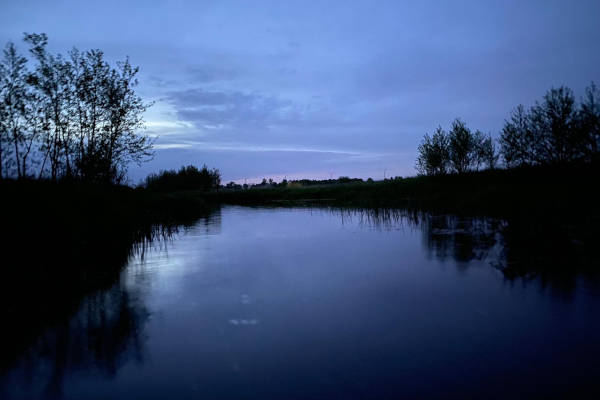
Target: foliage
[
  {"x": 556, "y": 130},
  {"x": 517, "y": 144},
  {"x": 462, "y": 147},
  {"x": 459, "y": 150},
  {"x": 74, "y": 117},
  {"x": 434, "y": 154},
  {"x": 187, "y": 178}
]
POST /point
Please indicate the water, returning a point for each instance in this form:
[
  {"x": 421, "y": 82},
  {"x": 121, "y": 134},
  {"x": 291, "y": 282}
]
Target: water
[{"x": 317, "y": 304}]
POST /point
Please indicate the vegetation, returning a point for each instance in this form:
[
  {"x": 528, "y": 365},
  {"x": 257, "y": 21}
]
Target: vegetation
[
  {"x": 543, "y": 190},
  {"x": 71, "y": 117},
  {"x": 554, "y": 131},
  {"x": 187, "y": 178},
  {"x": 65, "y": 240}
]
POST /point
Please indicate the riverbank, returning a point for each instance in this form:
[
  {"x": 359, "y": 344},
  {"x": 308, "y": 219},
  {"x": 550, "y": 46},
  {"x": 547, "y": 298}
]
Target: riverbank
[
  {"x": 62, "y": 241},
  {"x": 551, "y": 189}
]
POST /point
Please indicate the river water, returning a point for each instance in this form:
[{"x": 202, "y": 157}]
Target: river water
[{"x": 299, "y": 303}]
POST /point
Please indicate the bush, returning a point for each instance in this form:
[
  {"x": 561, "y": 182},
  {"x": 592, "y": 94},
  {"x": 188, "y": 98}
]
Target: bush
[{"x": 187, "y": 178}]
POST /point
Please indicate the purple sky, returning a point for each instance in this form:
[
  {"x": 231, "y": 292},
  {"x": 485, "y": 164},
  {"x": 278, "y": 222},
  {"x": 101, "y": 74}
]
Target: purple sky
[{"x": 323, "y": 88}]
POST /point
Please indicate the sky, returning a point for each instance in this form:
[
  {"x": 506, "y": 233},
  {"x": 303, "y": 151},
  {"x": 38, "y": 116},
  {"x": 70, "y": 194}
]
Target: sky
[{"x": 320, "y": 89}]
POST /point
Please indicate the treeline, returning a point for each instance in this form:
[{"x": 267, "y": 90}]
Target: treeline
[
  {"x": 270, "y": 183},
  {"x": 187, "y": 178},
  {"x": 556, "y": 130},
  {"x": 68, "y": 116}
]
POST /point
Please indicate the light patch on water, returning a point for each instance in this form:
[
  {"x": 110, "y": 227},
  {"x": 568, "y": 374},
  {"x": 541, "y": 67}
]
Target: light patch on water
[{"x": 243, "y": 321}]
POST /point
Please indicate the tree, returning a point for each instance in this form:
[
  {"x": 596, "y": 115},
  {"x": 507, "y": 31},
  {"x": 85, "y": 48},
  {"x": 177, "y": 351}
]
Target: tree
[
  {"x": 517, "y": 140},
  {"x": 462, "y": 147},
  {"x": 80, "y": 114},
  {"x": 4, "y": 138},
  {"x": 124, "y": 111},
  {"x": 554, "y": 124},
  {"x": 433, "y": 154},
  {"x": 14, "y": 93},
  {"x": 50, "y": 80},
  {"x": 486, "y": 150},
  {"x": 589, "y": 122}
]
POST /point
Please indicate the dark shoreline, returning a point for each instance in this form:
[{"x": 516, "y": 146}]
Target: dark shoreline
[
  {"x": 567, "y": 190},
  {"x": 63, "y": 241}
]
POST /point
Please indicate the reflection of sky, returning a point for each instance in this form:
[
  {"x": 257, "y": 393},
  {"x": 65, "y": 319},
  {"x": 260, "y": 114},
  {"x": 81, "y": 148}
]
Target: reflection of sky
[
  {"x": 317, "y": 89},
  {"x": 308, "y": 303}
]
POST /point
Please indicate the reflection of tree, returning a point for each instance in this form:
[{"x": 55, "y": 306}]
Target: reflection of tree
[
  {"x": 547, "y": 251},
  {"x": 82, "y": 318},
  {"x": 458, "y": 238},
  {"x": 106, "y": 332}
]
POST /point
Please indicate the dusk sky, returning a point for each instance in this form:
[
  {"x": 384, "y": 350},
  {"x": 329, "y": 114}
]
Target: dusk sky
[{"x": 319, "y": 89}]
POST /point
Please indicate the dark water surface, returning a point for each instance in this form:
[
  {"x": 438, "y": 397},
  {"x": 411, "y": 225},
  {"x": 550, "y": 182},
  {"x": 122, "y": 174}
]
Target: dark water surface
[{"x": 317, "y": 304}]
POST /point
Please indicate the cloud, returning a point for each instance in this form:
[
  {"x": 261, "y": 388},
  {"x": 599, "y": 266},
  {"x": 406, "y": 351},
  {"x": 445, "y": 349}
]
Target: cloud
[{"x": 227, "y": 109}]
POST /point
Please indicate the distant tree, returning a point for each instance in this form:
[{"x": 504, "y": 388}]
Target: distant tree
[
  {"x": 589, "y": 123},
  {"x": 517, "y": 141},
  {"x": 553, "y": 131},
  {"x": 433, "y": 153},
  {"x": 479, "y": 144},
  {"x": 462, "y": 146},
  {"x": 554, "y": 123},
  {"x": 486, "y": 151}
]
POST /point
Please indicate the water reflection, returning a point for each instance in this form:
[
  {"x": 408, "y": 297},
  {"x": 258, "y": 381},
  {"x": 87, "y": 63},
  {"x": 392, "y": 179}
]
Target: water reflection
[
  {"x": 335, "y": 303},
  {"x": 551, "y": 253},
  {"x": 106, "y": 332},
  {"x": 460, "y": 239},
  {"x": 80, "y": 321}
]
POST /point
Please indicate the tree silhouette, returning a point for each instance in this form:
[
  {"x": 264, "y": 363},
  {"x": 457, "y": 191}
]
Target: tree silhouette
[
  {"x": 79, "y": 115},
  {"x": 553, "y": 131},
  {"x": 434, "y": 154},
  {"x": 462, "y": 147}
]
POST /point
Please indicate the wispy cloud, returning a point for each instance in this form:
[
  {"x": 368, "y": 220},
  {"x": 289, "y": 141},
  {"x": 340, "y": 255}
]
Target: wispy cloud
[{"x": 242, "y": 147}]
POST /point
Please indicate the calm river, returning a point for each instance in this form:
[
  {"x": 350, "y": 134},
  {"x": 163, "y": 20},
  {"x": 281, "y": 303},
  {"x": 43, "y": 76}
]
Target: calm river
[{"x": 298, "y": 303}]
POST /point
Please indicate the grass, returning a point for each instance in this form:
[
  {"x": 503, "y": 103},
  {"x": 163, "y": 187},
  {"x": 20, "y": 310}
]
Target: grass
[{"x": 541, "y": 190}]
